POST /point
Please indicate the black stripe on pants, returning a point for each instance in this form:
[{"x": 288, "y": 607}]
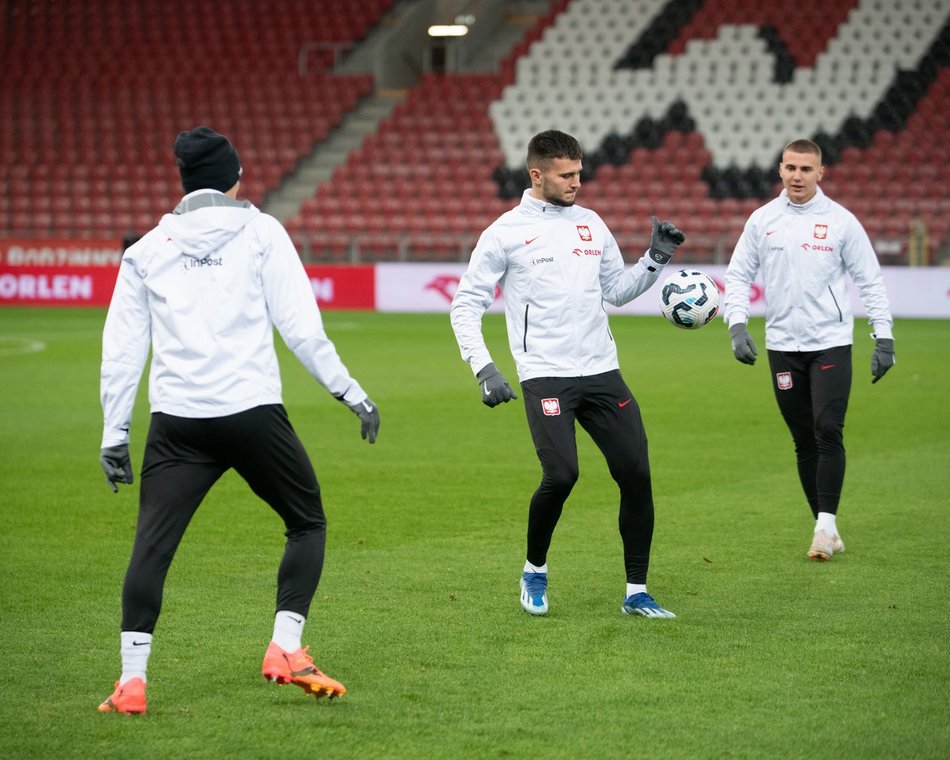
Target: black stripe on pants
[
  {"x": 183, "y": 458},
  {"x": 607, "y": 410},
  {"x": 812, "y": 389}
]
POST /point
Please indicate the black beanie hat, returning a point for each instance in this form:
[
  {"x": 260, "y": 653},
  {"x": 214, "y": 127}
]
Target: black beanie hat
[{"x": 206, "y": 160}]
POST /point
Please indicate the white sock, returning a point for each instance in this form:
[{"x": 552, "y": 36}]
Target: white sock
[
  {"x": 288, "y": 628},
  {"x": 136, "y": 647},
  {"x": 635, "y": 588},
  {"x": 529, "y": 568},
  {"x": 826, "y": 522}
]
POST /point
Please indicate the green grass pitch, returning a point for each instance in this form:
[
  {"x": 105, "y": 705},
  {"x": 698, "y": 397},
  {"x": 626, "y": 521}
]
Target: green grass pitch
[{"x": 418, "y": 613}]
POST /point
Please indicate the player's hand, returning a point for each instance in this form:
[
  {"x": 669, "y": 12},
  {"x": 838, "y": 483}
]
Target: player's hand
[
  {"x": 368, "y": 413},
  {"x": 495, "y": 389},
  {"x": 666, "y": 237},
  {"x": 742, "y": 345},
  {"x": 117, "y": 465},
  {"x": 883, "y": 358}
]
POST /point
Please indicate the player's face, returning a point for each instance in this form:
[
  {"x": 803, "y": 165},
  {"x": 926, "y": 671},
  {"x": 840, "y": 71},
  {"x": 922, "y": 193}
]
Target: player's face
[
  {"x": 800, "y": 173},
  {"x": 558, "y": 182}
]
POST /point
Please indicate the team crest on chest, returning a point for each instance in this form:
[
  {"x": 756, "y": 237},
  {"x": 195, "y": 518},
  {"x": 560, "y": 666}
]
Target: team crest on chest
[
  {"x": 821, "y": 231},
  {"x": 551, "y": 407},
  {"x": 584, "y": 231}
]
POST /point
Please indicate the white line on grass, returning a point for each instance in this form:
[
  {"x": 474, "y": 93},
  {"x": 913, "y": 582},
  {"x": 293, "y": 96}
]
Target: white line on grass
[{"x": 15, "y": 346}]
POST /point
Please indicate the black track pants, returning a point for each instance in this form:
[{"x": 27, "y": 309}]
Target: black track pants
[
  {"x": 607, "y": 410},
  {"x": 183, "y": 458},
  {"x": 812, "y": 389}
]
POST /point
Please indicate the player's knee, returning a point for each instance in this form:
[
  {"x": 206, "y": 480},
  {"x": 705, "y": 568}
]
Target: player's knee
[
  {"x": 829, "y": 426},
  {"x": 304, "y": 525},
  {"x": 560, "y": 481}
]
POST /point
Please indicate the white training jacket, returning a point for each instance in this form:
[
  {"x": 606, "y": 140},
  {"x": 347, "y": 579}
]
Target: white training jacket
[
  {"x": 205, "y": 289},
  {"x": 804, "y": 253},
  {"x": 556, "y": 266}
]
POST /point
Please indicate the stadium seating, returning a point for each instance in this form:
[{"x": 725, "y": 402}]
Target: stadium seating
[
  {"x": 864, "y": 79},
  {"x": 93, "y": 94},
  {"x": 681, "y": 109}
]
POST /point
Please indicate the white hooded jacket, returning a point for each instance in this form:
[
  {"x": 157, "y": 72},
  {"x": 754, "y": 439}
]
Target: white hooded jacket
[
  {"x": 205, "y": 290},
  {"x": 804, "y": 253},
  {"x": 556, "y": 266}
]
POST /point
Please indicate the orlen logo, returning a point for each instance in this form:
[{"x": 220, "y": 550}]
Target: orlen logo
[
  {"x": 825, "y": 248},
  {"x": 586, "y": 251}
]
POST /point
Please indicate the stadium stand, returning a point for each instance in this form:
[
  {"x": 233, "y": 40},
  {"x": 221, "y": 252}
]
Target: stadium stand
[
  {"x": 746, "y": 78},
  {"x": 93, "y": 94},
  {"x": 681, "y": 108}
]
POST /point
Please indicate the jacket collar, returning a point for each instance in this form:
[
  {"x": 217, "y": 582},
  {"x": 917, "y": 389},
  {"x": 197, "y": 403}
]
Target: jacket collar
[
  {"x": 817, "y": 201},
  {"x": 537, "y": 207}
]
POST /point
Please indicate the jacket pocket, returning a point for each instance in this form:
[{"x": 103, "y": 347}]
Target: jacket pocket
[
  {"x": 524, "y": 338},
  {"x": 835, "y": 302}
]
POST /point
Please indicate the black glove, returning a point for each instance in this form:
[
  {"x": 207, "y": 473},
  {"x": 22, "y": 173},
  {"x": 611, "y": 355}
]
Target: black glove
[
  {"x": 368, "y": 413},
  {"x": 742, "y": 345},
  {"x": 664, "y": 241},
  {"x": 883, "y": 358},
  {"x": 116, "y": 465},
  {"x": 495, "y": 389}
]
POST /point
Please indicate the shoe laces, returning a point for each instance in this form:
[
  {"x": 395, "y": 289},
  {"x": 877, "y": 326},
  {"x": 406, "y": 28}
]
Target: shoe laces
[
  {"x": 536, "y": 584},
  {"x": 301, "y": 660},
  {"x": 643, "y": 600}
]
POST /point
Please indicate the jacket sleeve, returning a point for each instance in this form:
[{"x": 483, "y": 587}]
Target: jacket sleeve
[
  {"x": 740, "y": 274},
  {"x": 126, "y": 338},
  {"x": 621, "y": 285},
  {"x": 476, "y": 292},
  {"x": 293, "y": 309},
  {"x": 864, "y": 268}
]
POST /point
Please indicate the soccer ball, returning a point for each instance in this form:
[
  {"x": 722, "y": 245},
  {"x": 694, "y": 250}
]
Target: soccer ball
[{"x": 689, "y": 299}]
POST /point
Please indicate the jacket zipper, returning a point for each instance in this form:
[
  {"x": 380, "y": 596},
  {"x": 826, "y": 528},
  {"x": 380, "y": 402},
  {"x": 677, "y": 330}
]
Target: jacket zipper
[
  {"x": 525, "y": 337},
  {"x": 835, "y": 301}
]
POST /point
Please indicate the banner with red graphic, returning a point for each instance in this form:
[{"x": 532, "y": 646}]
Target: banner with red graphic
[
  {"x": 83, "y": 273},
  {"x": 913, "y": 291}
]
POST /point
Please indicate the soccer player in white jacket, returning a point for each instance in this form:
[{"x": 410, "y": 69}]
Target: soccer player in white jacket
[
  {"x": 805, "y": 245},
  {"x": 557, "y": 263},
  {"x": 205, "y": 289}
]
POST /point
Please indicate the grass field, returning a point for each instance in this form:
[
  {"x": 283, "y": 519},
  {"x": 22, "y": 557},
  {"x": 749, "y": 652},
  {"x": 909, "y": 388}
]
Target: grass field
[{"x": 418, "y": 613}]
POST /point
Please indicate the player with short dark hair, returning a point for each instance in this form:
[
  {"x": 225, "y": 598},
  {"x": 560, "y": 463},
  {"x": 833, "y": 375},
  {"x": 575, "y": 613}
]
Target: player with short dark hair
[
  {"x": 805, "y": 245},
  {"x": 205, "y": 289},
  {"x": 557, "y": 263}
]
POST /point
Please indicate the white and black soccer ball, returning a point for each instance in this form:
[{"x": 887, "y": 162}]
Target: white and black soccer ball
[{"x": 689, "y": 299}]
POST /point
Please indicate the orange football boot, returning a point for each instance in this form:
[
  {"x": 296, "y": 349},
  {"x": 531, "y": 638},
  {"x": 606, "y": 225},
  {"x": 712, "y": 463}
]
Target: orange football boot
[
  {"x": 297, "y": 668},
  {"x": 129, "y": 698}
]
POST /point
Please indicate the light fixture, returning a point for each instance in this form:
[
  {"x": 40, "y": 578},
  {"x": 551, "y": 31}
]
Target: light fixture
[{"x": 448, "y": 30}]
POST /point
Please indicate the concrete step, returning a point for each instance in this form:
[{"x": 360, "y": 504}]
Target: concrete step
[{"x": 327, "y": 155}]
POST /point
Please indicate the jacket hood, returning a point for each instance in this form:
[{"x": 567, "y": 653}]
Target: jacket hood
[{"x": 205, "y": 220}]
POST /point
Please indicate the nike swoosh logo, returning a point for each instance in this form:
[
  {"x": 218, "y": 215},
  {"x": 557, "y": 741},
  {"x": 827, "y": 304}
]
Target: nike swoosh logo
[
  {"x": 296, "y": 620},
  {"x": 769, "y": 232},
  {"x": 367, "y": 407},
  {"x": 529, "y": 242},
  {"x": 826, "y": 366},
  {"x": 622, "y": 404},
  {"x": 485, "y": 389},
  {"x": 139, "y": 643}
]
